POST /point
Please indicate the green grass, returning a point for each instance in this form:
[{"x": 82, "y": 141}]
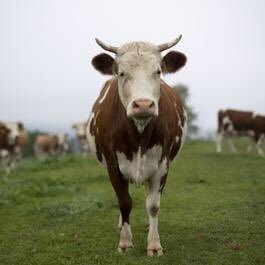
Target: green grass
[{"x": 65, "y": 212}]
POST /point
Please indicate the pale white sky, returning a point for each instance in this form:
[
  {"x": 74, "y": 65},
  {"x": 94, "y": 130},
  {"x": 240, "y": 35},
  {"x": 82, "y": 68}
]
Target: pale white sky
[{"x": 47, "y": 82}]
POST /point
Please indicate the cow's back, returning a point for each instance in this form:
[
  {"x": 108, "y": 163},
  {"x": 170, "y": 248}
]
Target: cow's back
[
  {"x": 46, "y": 142},
  {"x": 241, "y": 120}
]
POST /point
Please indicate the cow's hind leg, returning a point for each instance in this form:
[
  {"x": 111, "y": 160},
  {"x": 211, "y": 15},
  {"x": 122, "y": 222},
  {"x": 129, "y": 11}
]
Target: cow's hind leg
[
  {"x": 121, "y": 188},
  {"x": 152, "y": 208},
  {"x": 259, "y": 140}
]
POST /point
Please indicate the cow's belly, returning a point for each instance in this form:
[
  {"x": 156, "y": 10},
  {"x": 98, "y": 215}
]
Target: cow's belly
[{"x": 142, "y": 167}]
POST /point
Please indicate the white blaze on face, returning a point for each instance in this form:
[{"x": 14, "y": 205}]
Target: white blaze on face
[
  {"x": 138, "y": 74},
  {"x": 14, "y": 132},
  {"x": 63, "y": 140},
  {"x": 80, "y": 129}
]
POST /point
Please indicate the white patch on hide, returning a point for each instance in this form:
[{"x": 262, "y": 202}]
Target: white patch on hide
[
  {"x": 142, "y": 167},
  {"x": 227, "y": 122},
  {"x": 250, "y": 133},
  {"x": 105, "y": 94},
  {"x": 90, "y": 137}
]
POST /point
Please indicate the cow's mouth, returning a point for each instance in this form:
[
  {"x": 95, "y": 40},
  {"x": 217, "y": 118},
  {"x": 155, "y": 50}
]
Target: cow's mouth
[
  {"x": 143, "y": 115},
  {"x": 141, "y": 123}
]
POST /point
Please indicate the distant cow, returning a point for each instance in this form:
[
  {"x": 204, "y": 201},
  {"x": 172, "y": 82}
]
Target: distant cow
[
  {"x": 22, "y": 137},
  {"x": 137, "y": 127},
  {"x": 51, "y": 145},
  {"x": 233, "y": 123},
  {"x": 10, "y": 145},
  {"x": 80, "y": 130}
]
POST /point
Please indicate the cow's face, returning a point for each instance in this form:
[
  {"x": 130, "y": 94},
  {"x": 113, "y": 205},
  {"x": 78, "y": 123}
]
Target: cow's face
[
  {"x": 80, "y": 129},
  {"x": 63, "y": 141},
  {"x": 138, "y": 66},
  {"x": 15, "y": 129},
  {"x": 138, "y": 69}
]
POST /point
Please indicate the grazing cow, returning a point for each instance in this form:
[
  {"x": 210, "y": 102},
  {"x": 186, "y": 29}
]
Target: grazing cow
[
  {"x": 63, "y": 144},
  {"x": 22, "y": 140},
  {"x": 10, "y": 143},
  {"x": 80, "y": 130},
  {"x": 137, "y": 126},
  {"x": 5, "y": 146},
  {"x": 50, "y": 145},
  {"x": 233, "y": 123}
]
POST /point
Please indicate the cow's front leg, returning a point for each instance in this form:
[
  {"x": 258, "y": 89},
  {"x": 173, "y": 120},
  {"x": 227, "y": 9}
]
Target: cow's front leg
[
  {"x": 6, "y": 160},
  {"x": 259, "y": 140},
  {"x": 152, "y": 207},
  {"x": 219, "y": 139},
  {"x": 121, "y": 188}
]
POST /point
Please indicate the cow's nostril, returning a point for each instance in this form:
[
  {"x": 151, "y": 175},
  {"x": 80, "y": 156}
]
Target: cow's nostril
[
  {"x": 152, "y": 104},
  {"x": 135, "y": 105}
]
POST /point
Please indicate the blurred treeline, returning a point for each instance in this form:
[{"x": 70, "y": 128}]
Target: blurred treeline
[{"x": 183, "y": 92}]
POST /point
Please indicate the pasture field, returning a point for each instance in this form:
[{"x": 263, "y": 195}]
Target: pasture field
[{"x": 65, "y": 212}]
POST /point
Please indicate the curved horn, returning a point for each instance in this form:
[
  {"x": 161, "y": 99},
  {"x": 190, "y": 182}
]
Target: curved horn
[
  {"x": 170, "y": 44},
  {"x": 106, "y": 46}
]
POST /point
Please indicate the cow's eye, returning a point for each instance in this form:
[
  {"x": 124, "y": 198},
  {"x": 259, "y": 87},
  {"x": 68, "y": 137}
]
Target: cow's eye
[
  {"x": 121, "y": 74},
  {"x": 158, "y": 71}
]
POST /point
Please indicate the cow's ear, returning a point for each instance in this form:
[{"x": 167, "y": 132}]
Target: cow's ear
[
  {"x": 20, "y": 126},
  {"x": 104, "y": 63},
  {"x": 173, "y": 61}
]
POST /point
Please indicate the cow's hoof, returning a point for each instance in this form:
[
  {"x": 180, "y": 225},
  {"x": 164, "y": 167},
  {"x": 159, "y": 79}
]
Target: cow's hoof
[
  {"x": 125, "y": 246},
  {"x": 154, "y": 248}
]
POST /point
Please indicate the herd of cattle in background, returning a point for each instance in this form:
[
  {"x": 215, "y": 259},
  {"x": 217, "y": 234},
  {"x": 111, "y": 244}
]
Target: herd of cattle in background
[{"x": 14, "y": 137}]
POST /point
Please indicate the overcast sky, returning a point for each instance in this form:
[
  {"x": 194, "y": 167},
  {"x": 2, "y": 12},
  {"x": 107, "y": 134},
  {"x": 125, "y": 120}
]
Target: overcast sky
[{"x": 47, "y": 82}]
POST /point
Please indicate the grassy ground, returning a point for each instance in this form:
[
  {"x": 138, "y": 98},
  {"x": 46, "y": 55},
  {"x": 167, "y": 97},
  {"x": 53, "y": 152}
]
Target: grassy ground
[{"x": 65, "y": 212}]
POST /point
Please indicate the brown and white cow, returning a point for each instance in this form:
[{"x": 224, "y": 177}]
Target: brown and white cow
[
  {"x": 11, "y": 143},
  {"x": 233, "y": 123},
  {"x": 137, "y": 127},
  {"x": 51, "y": 145},
  {"x": 22, "y": 138},
  {"x": 80, "y": 131},
  {"x": 5, "y": 146}
]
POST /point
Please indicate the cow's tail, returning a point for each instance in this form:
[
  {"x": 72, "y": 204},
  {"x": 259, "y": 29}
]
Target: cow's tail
[{"x": 219, "y": 119}]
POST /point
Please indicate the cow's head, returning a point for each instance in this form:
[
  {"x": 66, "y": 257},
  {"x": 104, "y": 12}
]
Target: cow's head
[
  {"x": 138, "y": 67},
  {"x": 80, "y": 129},
  {"x": 63, "y": 141},
  {"x": 15, "y": 130}
]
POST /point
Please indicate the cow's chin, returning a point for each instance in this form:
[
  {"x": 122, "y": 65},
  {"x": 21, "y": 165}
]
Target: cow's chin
[{"x": 141, "y": 122}]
